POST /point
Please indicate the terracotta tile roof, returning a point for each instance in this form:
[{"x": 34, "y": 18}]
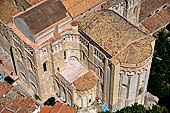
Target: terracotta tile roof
[
  {"x": 77, "y": 7},
  {"x": 157, "y": 21},
  {"x": 85, "y": 82},
  {"x": 110, "y": 3},
  {"x": 58, "y": 108},
  {"x": 19, "y": 104},
  {"x": 6, "y": 111},
  {"x": 62, "y": 108},
  {"x": 33, "y": 2},
  {"x": 7, "y": 11},
  {"x": 148, "y": 6},
  {"x": 136, "y": 52},
  {"x": 46, "y": 109},
  {"x": 110, "y": 31},
  {"x": 42, "y": 16}
]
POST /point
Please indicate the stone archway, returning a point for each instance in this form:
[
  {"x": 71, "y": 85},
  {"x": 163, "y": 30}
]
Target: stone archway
[
  {"x": 69, "y": 98},
  {"x": 63, "y": 94},
  {"x": 33, "y": 82},
  {"x": 22, "y": 71},
  {"x": 21, "y": 67},
  {"x": 73, "y": 58},
  {"x": 33, "y": 87},
  {"x": 57, "y": 88},
  {"x": 23, "y": 77}
]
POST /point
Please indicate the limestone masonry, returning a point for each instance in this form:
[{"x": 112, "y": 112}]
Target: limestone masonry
[{"x": 77, "y": 50}]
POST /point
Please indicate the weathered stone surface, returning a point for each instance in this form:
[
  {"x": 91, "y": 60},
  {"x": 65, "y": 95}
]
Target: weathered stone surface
[{"x": 150, "y": 100}]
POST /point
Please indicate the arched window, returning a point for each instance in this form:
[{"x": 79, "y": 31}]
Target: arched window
[
  {"x": 19, "y": 53},
  {"x": 21, "y": 67},
  {"x": 45, "y": 66},
  {"x": 23, "y": 77},
  {"x": 30, "y": 65},
  {"x": 140, "y": 91},
  {"x": 33, "y": 87}
]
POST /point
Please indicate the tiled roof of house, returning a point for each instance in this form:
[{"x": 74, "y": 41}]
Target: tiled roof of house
[
  {"x": 19, "y": 104},
  {"x": 7, "y": 11},
  {"x": 148, "y": 6},
  {"x": 58, "y": 108},
  {"x": 110, "y": 31},
  {"x": 6, "y": 111},
  {"x": 42, "y": 16},
  {"x": 110, "y": 3},
  {"x": 46, "y": 109},
  {"x": 157, "y": 21},
  {"x": 62, "y": 108},
  {"x": 77, "y": 7},
  {"x": 86, "y": 81},
  {"x": 33, "y": 2},
  {"x": 116, "y": 36},
  {"x": 136, "y": 52}
]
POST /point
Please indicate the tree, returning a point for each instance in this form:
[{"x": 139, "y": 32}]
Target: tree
[
  {"x": 133, "y": 109},
  {"x": 159, "y": 82},
  {"x": 138, "y": 108},
  {"x": 155, "y": 109}
]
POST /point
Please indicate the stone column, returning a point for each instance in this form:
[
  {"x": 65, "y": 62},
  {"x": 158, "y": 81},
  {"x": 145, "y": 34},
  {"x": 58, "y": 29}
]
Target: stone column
[
  {"x": 105, "y": 80},
  {"x": 91, "y": 57},
  {"x": 115, "y": 79}
]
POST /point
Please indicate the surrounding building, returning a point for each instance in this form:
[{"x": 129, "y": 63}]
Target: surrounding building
[
  {"x": 58, "y": 108},
  {"x": 11, "y": 101},
  {"x": 78, "y": 55}
]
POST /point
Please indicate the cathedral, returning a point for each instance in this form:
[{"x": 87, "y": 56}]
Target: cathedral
[{"x": 80, "y": 50}]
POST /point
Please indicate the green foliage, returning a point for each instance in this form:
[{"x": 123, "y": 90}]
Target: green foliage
[
  {"x": 105, "y": 112},
  {"x": 133, "y": 109},
  {"x": 37, "y": 97},
  {"x": 155, "y": 109},
  {"x": 138, "y": 108},
  {"x": 160, "y": 71}
]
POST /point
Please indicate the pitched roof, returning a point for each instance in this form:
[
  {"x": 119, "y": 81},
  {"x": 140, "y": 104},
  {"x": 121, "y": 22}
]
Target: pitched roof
[
  {"x": 110, "y": 3},
  {"x": 110, "y": 31},
  {"x": 19, "y": 104},
  {"x": 7, "y": 11},
  {"x": 46, "y": 109},
  {"x": 42, "y": 16},
  {"x": 136, "y": 52},
  {"x": 86, "y": 81},
  {"x": 157, "y": 21},
  {"x": 33, "y": 2},
  {"x": 58, "y": 108},
  {"x": 77, "y": 7},
  {"x": 6, "y": 111},
  {"x": 62, "y": 108},
  {"x": 148, "y": 6}
]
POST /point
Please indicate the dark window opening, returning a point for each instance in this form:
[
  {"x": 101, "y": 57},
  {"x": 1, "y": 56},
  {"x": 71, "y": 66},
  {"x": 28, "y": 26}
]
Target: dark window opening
[
  {"x": 58, "y": 69},
  {"x": 165, "y": 6},
  {"x": 64, "y": 54},
  {"x": 83, "y": 56},
  {"x": 45, "y": 67}
]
